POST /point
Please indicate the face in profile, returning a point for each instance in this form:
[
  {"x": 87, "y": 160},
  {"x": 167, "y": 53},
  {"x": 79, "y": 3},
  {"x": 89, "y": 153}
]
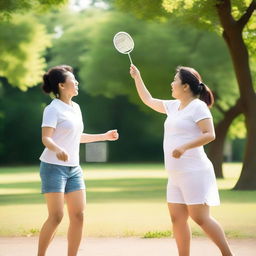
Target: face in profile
[
  {"x": 177, "y": 87},
  {"x": 70, "y": 86}
]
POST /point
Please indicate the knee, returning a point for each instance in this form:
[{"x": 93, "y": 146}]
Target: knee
[
  {"x": 178, "y": 219},
  {"x": 78, "y": 216},
  {"x": 200, "y": 220},
  {"x": 56, "y": 218}
]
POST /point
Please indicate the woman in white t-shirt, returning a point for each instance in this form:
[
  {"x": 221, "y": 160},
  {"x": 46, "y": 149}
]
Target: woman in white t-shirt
[
  {"x": 60, "y": 171},
  {"x": 192, "y": 187}
]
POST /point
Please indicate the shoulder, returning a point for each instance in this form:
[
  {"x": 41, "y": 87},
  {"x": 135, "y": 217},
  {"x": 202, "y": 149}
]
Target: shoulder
[
  {"x": 76, "y": 106},
  {"x": 200, "y": 110},
  {"x": 169, "y": 105},
  {"x": 52, "y": 107},
  {"x": 200, "y": 104},
  {"x": 171, "y": 102}
]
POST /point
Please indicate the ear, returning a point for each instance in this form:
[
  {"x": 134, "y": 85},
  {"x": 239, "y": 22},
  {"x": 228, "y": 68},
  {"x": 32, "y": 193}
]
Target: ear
[
  {"x": 61, "y": 86},
  {"x": 186, "y": 87}
]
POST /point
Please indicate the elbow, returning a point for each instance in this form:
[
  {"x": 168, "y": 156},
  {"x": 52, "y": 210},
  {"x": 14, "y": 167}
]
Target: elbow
[
  {"x": 147, "y": 101},
  {"x": 44, "y": 140},
  {"x": 209, "y": 137},
  {"x": 212, "y": 137}
]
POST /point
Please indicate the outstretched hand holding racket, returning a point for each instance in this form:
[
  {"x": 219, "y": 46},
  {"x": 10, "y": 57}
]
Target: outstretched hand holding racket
[{"x": 134, "y": 72}]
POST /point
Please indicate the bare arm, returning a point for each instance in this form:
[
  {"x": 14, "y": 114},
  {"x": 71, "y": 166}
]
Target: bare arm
[
  {"x": 48, "y": 142},
  {"x": 147, "y": 99},
  {"x": 110, "y": 135},
  {"x": 208, "y": 135}
]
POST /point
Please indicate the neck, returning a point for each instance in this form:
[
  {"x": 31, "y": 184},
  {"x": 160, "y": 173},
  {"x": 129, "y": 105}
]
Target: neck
[
  {"x": 185, "y": 100},
  {"x": 66, "y": 99}
]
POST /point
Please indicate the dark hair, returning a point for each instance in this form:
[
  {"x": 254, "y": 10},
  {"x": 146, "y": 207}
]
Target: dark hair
[
  {"x": 191, "y": 77},
  {"x": 53, "y": 77}
]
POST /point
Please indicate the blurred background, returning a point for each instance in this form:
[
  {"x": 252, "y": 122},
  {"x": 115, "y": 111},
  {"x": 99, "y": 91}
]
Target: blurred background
[
  {"x": 128, "y": 186},
  {"x": 79, "y": 33}
]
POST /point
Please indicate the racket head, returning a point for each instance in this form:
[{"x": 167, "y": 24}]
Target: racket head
[{"x": 123, "y": 42}]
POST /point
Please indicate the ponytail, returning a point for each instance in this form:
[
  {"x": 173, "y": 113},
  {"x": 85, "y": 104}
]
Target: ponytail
[
  {"x": 191, "y": 77},
  {"x": 206, "y": 95}
]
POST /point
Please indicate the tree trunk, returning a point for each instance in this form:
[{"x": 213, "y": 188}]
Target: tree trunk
[
  {"x": 247, "y": 180},
  {"x": 216, "y": 148},
  {"x": 233, "y": 36}
]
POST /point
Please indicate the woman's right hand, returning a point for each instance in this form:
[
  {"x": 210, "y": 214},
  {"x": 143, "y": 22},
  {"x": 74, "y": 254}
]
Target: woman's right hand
[
  {"x": 62, "y": 155},
  {"x": 135, "y": 73}
]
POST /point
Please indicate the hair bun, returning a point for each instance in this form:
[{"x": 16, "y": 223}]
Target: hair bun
[{"x": 46, "y": 85}]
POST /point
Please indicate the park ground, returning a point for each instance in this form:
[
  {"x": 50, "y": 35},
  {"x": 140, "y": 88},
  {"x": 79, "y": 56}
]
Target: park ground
[
  {"x": 125, "y": 209},
  {"x": 132, "y": 246}
]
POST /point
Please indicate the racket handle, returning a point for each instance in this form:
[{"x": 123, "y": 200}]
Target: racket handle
[{"x": 130, "y": 58}]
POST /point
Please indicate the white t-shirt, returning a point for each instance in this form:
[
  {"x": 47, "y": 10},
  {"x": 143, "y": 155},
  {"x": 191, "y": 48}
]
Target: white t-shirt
[
  {"x": 68, "y": 123},
  {"x": 179, "y": 128}
]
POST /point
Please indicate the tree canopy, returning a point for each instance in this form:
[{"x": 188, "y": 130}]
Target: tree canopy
[
  {"x": 22, "y": 61},
  {"x": 10, "y": 7}
]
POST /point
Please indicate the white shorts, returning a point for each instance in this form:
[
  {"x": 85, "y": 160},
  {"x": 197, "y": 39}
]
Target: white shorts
[{"x": 193, "y": 187}]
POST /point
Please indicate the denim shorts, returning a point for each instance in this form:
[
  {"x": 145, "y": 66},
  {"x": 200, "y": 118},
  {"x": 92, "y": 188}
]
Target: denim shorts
[{"x": 59, "y": 178}]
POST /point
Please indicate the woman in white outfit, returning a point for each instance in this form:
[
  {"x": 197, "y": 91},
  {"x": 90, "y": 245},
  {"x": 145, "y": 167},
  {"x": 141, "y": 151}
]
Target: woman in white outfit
[
  {"x": 60, "y": 171},
  {"x": 192, "y": 187}
]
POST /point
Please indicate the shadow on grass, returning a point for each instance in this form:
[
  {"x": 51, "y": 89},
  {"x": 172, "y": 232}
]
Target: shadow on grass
[
  {"x": 97, "y": 191},
  {"x": 88, "y": 166},
  {"x": 234, "y": 196},
  {"x": 19, "y": 169},
  {"x": 114, "y": 190}
]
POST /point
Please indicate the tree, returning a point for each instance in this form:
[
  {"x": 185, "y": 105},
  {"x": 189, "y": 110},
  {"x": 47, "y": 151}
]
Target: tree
[
  {"x": 232, "y": 33},
  {"x": 235, "y": 21},
  {"x": 8, "y": 8},
  {"x": 23, "y": 41},
  {"x": 22, "y": 61},
  {"x": 215, "y": 152}
]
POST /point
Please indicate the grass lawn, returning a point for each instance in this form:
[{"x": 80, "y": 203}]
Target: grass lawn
[{"x": 122, "y": 200}]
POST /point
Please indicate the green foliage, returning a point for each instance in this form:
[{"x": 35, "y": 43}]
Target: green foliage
[
  {"x": 150, "y": 9},
  {"x": 22, "y": 43},
  {"x": 238, "y": 129},
  {"x": 200, "y": 13},
  {"x": 157, "y": 234},
  {"x": 170, "y": 46},
  {"x": 8, "y": 8},
  {"x": 74, "y": 42},
  {"x": 20, "y": 137}
]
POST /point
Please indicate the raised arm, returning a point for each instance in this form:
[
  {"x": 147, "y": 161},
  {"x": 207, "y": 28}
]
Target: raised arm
[{"x": 147, "y": 99}]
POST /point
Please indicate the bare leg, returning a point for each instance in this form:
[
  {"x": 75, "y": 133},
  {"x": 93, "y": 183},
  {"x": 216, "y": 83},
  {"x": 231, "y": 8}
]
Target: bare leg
[
  {"x": 179, "y": 216},
  {"x": 75, "y": 204},
  {"x": 55, "y": 204},
  {"x": 201, "y": 215}
]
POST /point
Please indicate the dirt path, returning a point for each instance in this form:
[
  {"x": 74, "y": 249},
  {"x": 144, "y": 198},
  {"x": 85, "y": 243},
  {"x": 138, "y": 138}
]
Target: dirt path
[{"x": 23, "y": 246}]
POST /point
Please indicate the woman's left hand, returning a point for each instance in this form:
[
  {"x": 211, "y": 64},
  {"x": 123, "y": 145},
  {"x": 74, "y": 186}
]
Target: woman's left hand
[
  {"x": 178, "y": 152},
  {"x": 112, "y": 135}
]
